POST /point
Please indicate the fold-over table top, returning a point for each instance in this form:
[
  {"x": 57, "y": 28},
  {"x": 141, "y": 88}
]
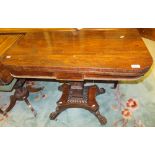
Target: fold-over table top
[{"x": 78, "y": 54}]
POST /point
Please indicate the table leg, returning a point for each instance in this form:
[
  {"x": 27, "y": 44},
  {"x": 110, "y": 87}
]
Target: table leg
[
  {"x": 21, "y": 94},
  {"x": 12, "y": 103},
  {"x": 76, "y": 95},
  {"x": 1, "y": 112}
]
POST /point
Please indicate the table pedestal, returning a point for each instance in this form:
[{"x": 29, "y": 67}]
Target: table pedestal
[
  {"x": 76, "y": 95},
  {"x": 21, "y": 94}
]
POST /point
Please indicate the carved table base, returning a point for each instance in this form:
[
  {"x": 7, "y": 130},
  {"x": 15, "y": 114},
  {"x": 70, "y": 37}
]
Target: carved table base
[
  {"x": 21, "y": 94},
  {"x": 76, "y": 95}
]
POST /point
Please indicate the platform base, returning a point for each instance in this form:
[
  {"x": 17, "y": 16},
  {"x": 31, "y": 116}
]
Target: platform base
[{"x": 76, "y": 95}]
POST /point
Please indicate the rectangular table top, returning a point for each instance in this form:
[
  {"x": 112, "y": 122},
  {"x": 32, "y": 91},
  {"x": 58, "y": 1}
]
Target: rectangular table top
[{"x": 78, "y": 54}]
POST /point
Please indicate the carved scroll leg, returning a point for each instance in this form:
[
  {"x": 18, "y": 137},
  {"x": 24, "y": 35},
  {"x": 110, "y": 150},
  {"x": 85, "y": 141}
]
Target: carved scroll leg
[
  {"x": 53, "y": 115},
  {"x": 30, "y": 106},
  {"x": 101, "y": 118},
  {"x": 60, "y": 103},
  {"x": 12, "y": 103},
  {"x": 100, "y": 91},
  {"x": 1, "y": 112}
]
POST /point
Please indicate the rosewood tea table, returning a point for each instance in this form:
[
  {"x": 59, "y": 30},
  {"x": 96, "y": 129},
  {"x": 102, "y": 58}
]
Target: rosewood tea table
[{"x": 75, "y": 56}]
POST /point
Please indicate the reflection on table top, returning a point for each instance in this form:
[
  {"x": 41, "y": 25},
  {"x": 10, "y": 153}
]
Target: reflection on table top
[{"x": 110, "y": 52}]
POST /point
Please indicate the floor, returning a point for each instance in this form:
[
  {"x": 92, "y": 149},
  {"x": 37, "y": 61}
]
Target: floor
[{"x": 131, "y": 104}]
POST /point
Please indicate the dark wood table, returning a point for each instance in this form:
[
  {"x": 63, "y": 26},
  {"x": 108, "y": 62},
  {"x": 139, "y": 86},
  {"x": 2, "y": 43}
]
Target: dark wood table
[{"x": 75, "y": 56}]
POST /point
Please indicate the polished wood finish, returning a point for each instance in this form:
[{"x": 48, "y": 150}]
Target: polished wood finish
[
  {"x": 6, "y": 41},
  {"x": 148, "y": 33},
  {"x": 76, "y": 95},
  {"x": 77, "y": 55},
  {"x": 25, "y": 30}
]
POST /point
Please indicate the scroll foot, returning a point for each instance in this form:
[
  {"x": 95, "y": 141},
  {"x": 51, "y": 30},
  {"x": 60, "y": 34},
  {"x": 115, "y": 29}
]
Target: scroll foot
[
  {"x": 101, "y": 118},
  {"x": 53, "y": 115},
  {"x": 100, "y": 91}
]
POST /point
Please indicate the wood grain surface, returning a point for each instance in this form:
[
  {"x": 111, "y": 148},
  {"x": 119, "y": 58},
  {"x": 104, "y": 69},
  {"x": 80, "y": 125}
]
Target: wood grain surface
[
  {"x": 6, "y": 41},
  {"x": 148, "y": 33},
  {"x": 78, "y": 54}
]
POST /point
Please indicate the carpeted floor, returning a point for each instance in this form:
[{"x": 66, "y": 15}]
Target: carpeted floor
[{"x": 131, "y": 104}]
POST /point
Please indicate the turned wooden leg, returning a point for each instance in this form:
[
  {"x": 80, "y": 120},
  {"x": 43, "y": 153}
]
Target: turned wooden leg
[{"x": 76, "y": 95}]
